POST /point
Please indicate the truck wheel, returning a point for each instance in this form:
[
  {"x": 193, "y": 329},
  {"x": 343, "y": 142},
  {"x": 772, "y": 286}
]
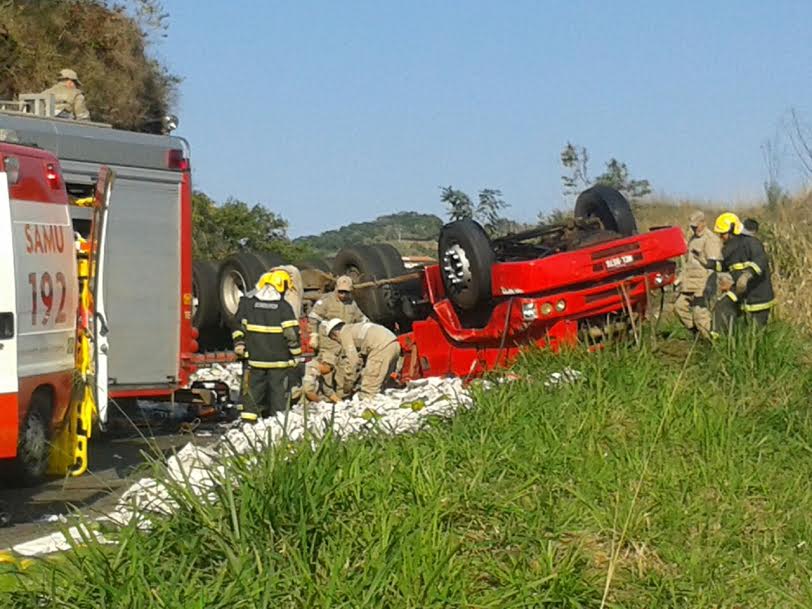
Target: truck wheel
[
  {"x": 363, "y": 263},
  {"x": 394, "y": 294},
  {"x": 317, "y": 264},
  {"x": 609, "y": 206},
  {"x": 466, "y": 257},
  {"x": 205, "y": 304},
  {"x": 33, "y": 447},
  {"x": 239, "y": 274}
]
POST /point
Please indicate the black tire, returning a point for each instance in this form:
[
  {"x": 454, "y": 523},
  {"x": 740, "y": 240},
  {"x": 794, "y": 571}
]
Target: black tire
[
  {"x": 238, "y": 274},
  {"x": 33, "y": 446},
  {"x": 395, "y": 294},
  {"x": 206, "y": 302},
  {"x": 466, "y": 257},
  {"x": 610, "y": 207},
  {"x": 363, "y": 263}
]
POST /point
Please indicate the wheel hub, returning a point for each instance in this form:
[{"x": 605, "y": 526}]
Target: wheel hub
[
  {"x": 233, "y": 290},
  {"x": 456, "y": 265}
]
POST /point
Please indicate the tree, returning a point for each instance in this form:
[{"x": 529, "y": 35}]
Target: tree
[
  {"x": 487, "y": 210},
  {"x": 575, "y": 160},
  {"x": 617, "y": 176},
  {"x": 106, "y": 42},
  {"x": 220, "y": 230}
]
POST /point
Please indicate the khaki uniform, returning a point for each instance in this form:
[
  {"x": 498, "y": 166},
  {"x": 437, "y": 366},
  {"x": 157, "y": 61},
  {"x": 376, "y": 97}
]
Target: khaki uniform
[
  {"x": 324, "y": 386},
  {"x": 327, "y": 308},
  {"x": 379, "y": 349},
  {"x": 691, "y": 305},
  {"x": 70, "y": 101}
]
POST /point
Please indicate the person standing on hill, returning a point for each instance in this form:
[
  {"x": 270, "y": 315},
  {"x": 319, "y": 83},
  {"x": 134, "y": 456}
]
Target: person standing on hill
[
  {"x": 696, "y": 283},
  {"x": 743, "y": 256},
  {"x": 68, "y": 96}
]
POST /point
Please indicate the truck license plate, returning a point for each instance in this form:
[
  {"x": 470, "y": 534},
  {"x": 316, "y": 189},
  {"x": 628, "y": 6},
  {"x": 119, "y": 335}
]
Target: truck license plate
[{"x": 616, "y": 263}]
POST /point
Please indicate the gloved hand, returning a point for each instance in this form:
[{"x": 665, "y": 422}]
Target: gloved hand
[
  {"x": 742, "y": 281},
  {"x": 314, "y": 340},
  {"x": 239, "y": 350}
]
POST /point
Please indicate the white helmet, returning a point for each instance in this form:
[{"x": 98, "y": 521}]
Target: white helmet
[{"x": 332, "y": 325}]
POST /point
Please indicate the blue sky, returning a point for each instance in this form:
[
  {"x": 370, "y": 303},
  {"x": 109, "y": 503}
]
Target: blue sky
[{"x": 336, "y": 112}]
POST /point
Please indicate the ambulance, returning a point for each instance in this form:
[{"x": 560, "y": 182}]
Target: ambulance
[{"x": 38, "y": 303}]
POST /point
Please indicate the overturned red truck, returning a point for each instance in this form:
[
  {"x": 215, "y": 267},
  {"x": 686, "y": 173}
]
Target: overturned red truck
[{"x": 584, "y": 279}]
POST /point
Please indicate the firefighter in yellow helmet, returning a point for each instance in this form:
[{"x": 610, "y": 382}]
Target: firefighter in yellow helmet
[
  {"x": 267, "y": 337},
  {"x": 743, "y": 256}
]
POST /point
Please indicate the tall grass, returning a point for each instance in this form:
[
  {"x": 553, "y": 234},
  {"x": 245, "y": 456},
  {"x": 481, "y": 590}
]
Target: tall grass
[{"x": 688, "y": 481}]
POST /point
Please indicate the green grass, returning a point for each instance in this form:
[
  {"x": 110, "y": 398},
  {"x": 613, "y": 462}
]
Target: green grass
[{"x": 686, "y": 480}]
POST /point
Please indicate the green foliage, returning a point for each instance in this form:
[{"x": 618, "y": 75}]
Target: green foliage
[
  {"x": 653, "y": 482},
  {"x": 220, "y": 230},
  {"x": 576, "y": 160},
  {"x": 107, "y": 44},
  {"x": 408, "y": 231},
  {"x": 487, "y": 211}
]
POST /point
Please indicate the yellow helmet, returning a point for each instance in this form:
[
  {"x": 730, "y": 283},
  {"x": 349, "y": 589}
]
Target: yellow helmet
[
  {"x": 279, "y": 280},
  {"x": 726, "y": 223}
]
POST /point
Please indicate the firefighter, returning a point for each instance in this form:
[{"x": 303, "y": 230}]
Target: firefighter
[
  {"x": 320, "y": 383},
  {"x": 726, "y": 308},
  {"x": 70, "y": 101},
  {"x": 743, "y": 256},
  {"x": 374, "y": 345},
  {"x": 696, "y": 283},
  {"x": 339, "y": 304},
  {"x": 268, "y": 339}
]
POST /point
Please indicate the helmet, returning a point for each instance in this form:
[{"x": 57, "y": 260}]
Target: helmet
[
  {"x": 726, "y": 223},
  {"x": 69, "y": 75},
  {"x": 279, "y": 280},
  {"x": 333, "y": 324}
]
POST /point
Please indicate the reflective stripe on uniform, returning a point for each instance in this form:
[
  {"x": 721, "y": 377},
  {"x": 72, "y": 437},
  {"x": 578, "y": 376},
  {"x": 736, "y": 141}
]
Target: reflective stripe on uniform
[
  {"x": 293, "y": 323},
  {"x": 296, "y": 351},
  {"x": 740, "y": 266},
  {"x": 237, "y": 334},
  {"x": 248, "y": 416},
  {"x": 285, "y": 364},
  {"x": 732, "y": 296},
  {"x": 263, "y": 329},
  {"x": 719, "y": 268},
  {"x": 761, "y": 306}
]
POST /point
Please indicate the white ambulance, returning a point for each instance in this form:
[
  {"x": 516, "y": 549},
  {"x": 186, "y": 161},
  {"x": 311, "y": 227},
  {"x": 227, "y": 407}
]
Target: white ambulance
[{"x": 38, "y": 304}]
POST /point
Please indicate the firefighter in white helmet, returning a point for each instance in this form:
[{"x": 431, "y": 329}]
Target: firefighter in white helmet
[
  {"x": 268, "y": 338},
  {"x": 371, "y": 344}
]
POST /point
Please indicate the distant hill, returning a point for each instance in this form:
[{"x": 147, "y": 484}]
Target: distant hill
[{"x": 410, "y": 232}]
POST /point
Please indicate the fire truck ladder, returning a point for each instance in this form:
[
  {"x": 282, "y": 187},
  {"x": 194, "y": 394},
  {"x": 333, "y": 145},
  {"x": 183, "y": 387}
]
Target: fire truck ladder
[{"x": 69, "y": 451}]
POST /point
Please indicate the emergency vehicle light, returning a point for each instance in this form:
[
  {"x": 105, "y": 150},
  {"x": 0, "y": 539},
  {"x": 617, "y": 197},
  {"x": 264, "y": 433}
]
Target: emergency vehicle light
[
  {"x": 176, "y": 160},
  {"x": 11, "y": 166},
  {"x": 52, "y": 175}
]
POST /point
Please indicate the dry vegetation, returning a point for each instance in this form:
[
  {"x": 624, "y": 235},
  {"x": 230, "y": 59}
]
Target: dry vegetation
[
  {"x": 787, "y": 234},
  {"x": 101, "y": 41}
]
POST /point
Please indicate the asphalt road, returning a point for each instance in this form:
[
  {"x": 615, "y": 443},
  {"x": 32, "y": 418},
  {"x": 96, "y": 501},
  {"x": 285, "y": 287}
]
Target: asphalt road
[{"x": 115, "y": 461}]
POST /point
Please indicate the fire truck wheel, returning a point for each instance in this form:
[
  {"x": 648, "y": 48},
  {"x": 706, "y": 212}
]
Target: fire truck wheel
[
  {"x": 239, "y": 274},
  {"x": 466, "y": 257},
  {"x": 363, "y": 263},
  {"x": 609, "y": 206},
  {"x": 33, "y": 447},
  {"x": 205, "y": 304}
]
